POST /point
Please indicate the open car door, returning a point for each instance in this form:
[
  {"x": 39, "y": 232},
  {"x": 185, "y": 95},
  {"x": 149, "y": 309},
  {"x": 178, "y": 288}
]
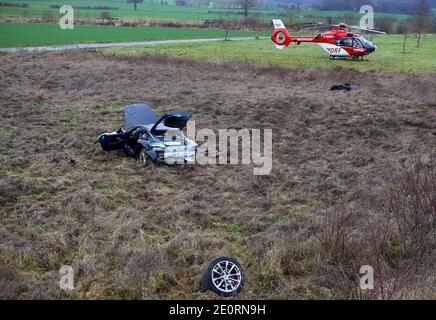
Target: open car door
[
  {"x": 170, "y": 120},
  {"x": 112, "y": 141}
]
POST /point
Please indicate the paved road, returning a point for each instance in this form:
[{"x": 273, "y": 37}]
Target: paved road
[{"x": 112, "y": 44}]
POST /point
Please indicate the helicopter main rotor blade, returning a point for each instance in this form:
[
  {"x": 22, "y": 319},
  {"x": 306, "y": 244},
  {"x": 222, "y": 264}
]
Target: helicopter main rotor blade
[
  {"x": 367, "y": 29},
  {"x": 316, "y": 27}
]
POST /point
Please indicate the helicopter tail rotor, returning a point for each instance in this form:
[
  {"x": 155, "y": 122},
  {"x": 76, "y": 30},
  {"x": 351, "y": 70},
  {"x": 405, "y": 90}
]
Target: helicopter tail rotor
[{"x": 280, "y": 36}]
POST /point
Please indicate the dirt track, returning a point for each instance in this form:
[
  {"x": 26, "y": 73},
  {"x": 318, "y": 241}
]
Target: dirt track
[
  {"x": 110, "y": 44},
  {"x": 135, "y": 233}
]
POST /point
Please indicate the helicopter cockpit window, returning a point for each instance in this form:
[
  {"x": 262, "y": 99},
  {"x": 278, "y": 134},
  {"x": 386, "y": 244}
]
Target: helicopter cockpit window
[
  {"x": 357, "y": 43},
  {"x": 345, "y": 42},
  {"x": 366, "y": 42}
]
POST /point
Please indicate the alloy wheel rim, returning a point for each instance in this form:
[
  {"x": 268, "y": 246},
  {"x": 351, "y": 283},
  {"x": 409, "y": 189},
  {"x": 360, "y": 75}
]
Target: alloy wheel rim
[{"x": 226, "y": 276}]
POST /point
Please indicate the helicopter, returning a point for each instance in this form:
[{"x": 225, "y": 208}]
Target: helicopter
[{"x": 337, "y": 42}]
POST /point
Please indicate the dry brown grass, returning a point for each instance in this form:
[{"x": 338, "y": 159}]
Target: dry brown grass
[{"x": 135, "y": 233}]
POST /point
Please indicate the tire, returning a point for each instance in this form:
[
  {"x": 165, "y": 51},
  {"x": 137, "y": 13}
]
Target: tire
[
  {"x": 143, "y": 158},
  {"x": 223, "y": 276}
]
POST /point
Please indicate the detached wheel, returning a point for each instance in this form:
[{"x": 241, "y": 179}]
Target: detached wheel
[
  {"x": 224, "y": 276},
  {"x": 143, "y": 158}
]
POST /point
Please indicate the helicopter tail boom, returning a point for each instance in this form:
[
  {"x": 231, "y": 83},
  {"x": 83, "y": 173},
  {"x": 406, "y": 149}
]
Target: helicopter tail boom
[{"x": 281, "y": 36}]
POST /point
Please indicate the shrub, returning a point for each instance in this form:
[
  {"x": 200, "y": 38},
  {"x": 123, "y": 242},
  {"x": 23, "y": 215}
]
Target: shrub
[
  {"x": 412, "y": 204},
  {"x": 48, "y": 16},
  {"x": 395, "y": 234},
  {"x": 105, "y": 15}
]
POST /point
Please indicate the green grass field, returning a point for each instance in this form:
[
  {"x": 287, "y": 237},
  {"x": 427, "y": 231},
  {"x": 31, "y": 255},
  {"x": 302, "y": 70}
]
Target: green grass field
[
  {"x": 147, "y": 9},
  {"x": 26, "y": 34},
  {"x": 154, "y": 9},
  {"x": 388, "y": 57}
]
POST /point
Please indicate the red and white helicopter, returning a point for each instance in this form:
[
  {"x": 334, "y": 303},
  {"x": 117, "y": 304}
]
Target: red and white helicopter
[{"x": 338, "y": 42}]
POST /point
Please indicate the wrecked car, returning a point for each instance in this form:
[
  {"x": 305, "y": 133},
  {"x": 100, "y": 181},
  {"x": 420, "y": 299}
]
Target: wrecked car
[{"x": 152, "y": 139}]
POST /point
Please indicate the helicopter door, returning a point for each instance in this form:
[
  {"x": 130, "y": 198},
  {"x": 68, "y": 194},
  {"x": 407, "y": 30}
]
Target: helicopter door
[
  {"x": 338, "y": 49},
  {"x": 358, "y": 48}
]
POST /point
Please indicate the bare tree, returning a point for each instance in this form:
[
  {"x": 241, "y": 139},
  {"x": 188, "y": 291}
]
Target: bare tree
[
  {"x": 135, "y": 2},
  {"x": 432, "y": 27},
  {"x": 404, "y": 28},
  {"x": 422, "y": 13},
  {"x": 290, "y": 16},
  {"x": 246, "y": 5},
  {"x": 228, "y": 26}
]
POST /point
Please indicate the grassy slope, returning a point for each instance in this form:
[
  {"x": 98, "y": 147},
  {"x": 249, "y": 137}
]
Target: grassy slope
[
  {"x": 44, "y": 34},
  {"x": 388, "y": 57},
  {"x": 136, "y": 233}
]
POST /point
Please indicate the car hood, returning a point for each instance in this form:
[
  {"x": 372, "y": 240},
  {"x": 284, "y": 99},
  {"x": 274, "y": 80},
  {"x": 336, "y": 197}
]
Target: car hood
[{"x": 177, "y": 120}]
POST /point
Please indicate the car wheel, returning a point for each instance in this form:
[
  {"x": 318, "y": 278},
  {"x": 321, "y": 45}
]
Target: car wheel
[
  {"x": 143, "y": 157},
  {"x": 224, "y": 276}
]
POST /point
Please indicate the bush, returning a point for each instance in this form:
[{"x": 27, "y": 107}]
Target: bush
[
  {"x": 58, "y": 6},
  {"x": 48, "y": 16},
  {"x": 385, "y": 24},
  {"x": 412, "y": 204},
  {"x": 396, "y": 235},
  {"x": 14, "y": 5},
  {"x": 105, "y": 15}
]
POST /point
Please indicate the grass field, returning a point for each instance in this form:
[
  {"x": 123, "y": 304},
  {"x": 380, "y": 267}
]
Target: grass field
[
  {"x": 388, "y": 57},
  {"x": 353, "y": 175},
  {"x": 131, "y": 232},
  {"x": 27, "y": 34},
  {"x": 154, "y": 9},
  {"x": 146, "y": 9}
]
